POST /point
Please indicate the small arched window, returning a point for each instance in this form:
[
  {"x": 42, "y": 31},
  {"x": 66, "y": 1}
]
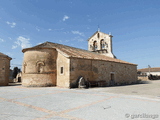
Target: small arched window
[
  {"x": 94, "y": 45},
  {"x": 40, "y": 67}
]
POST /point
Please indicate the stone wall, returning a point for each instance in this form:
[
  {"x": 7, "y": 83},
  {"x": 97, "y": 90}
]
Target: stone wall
[
  {"x": 4, "y": 70},
  {"x": 78, "y": 68},
  {"x": 38, "y": 80},
  {"x": 39, "y": 67},
  {"x": 63, "y": 71},
  {"x": 121, "y": 73},
  {"x": 96, "y": 70}
]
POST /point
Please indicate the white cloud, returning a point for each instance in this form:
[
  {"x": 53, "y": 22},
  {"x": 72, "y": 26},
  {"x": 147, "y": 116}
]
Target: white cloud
[
  {"x": 10, "y": 38},
  {"x": 9, "y": 54},
  {"x": 22, "y": 42},
  {"x": 37, "y": 29},
  {"x": 39, "y": 43},
  {"x": 60, "y": 41},
  {"x": 66, "y": 32},
  {"x": 65, "y": 17},
  {"x": 12, "y": 24},
  {"x": 1, "y": 40},
  {"x": 14, "y": 46},
  {"x": 49, "y": 29},
  {"x": 79, "y": 39},
  {"x": 88, "y": 28},
  {"x": 78, "y": 33},
  {"x": 59, "y": 29},
  {"x": 66, "y": 40}
]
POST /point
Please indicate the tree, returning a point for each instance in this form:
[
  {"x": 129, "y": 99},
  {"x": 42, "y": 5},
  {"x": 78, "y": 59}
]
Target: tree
[{"x": 15, "y": 72}]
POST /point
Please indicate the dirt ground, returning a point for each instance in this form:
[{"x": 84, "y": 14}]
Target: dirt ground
[
  {"x": 139, "y": 101},
  {"x": 146, "y": 89}
]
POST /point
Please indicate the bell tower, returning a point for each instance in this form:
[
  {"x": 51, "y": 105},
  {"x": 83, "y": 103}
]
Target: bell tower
[{"x": 101, "y": 43}]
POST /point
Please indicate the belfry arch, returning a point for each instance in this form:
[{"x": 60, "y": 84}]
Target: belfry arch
[
  {"x": 95, "y": 46},
  {"x": 101, "y": 43}
]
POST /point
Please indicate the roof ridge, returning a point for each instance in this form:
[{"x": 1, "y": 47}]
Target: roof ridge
[
  {"x": 150, "y": 68},
  {"x": 153, "y": 69}
]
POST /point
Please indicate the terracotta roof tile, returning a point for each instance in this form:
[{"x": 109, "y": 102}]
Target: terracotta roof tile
[
  {"x": 76, "y": 52},
  {"x": 155, "y": 69}
]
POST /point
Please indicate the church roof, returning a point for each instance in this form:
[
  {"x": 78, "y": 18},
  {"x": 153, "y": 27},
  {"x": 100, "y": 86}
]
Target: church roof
[
  {"x": 3, "y": 55},
  {"x": 155, "y": 69},
  {"x": 72, "y": 52}
]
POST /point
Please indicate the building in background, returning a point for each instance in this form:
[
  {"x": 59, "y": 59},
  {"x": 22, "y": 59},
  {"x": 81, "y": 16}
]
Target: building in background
[
  {"x": 4, "y": 69},
  {"x": 149, "y": 73},
  {"x": 149, "y": 70}
]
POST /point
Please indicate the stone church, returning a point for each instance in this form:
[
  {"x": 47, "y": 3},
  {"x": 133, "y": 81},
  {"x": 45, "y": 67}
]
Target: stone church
[
  {"x": 4, "y": 69},
  {"x": 52, "y": 64}
]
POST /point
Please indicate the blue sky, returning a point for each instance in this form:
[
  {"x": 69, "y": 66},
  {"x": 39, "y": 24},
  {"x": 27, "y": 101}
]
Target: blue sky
[{"x": 134, "y": 24}]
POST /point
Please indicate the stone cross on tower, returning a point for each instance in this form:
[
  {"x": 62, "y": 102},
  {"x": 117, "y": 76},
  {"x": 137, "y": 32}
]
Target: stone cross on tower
[{"x": 101, "y": 43}]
